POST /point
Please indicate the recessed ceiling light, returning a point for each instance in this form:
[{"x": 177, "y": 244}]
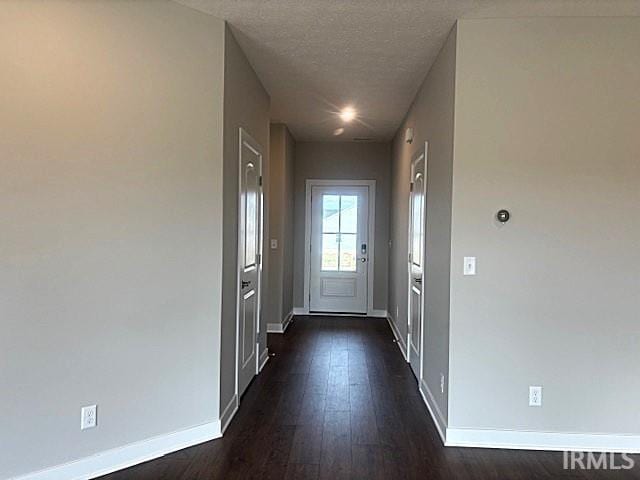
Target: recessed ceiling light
[
  {"x": 347, "y": 114},
  {"x": 338, "y": 131}
]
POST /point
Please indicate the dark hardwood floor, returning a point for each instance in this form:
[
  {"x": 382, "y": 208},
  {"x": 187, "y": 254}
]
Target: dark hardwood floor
[{"x": 338, "y": 401}]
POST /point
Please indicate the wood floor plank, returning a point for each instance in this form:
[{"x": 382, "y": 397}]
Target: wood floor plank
[
  {"x": 367, "y": 462},
  {"x": 297, "y": 471},
  {"x": 335, "y": 462},
  {"x": 307, "y": 444}
]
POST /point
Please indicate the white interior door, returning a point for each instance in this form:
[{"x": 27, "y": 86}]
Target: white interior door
[
  {"x": 417, "y": 209},
  {"x": 339, "y": 249},
  {"x": 249, "y": 258}
]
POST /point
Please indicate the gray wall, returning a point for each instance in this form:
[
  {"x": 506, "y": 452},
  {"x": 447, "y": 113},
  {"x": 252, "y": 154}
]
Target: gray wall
[
  {"x": 347, "y": 161},
  {"x": 547, "y": 115},
  {"x": 288, "y": 233},
  {"x": 111, "y": 213},
  {"x": 279, "y": 298},
  {"x": 246, "y": 105},
  {"x": 431, "y": 117}
]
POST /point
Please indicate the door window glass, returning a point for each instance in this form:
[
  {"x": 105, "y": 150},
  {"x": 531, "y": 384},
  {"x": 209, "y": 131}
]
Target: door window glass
[
  {"x": 251, "y": 216},
  {"x": 348, "y": 214},
  {"x": 416, "y": 208},
  {"x": 339, "y": 232},
  {"x": 330, "y": 213},
  {"x": 330, "y": 251},
  {"x": 348, "y": 253}
]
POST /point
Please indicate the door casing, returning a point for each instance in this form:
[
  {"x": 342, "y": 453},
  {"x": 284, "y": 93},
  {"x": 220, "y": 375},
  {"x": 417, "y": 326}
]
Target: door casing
[{"x": 310, "y": 183}]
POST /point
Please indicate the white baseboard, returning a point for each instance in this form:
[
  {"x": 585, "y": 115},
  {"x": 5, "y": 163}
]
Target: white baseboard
[
  {"x": 402, "y": 345},
  {"x": 280, "y": 327},
  {"x": 434, "y": 410},
  {"x": 228, "y": 413},
  {"x": 264, "y": 358},
  {"x": 123, "y": 457},
  {"x": 371, "y": 313},
  {"x": 552, "y": 441}
]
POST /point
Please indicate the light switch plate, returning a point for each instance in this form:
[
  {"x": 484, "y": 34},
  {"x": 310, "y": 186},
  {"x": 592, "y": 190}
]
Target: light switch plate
[
  {"x": 469, "y": 265},
  {"x": 274, "y": 243}
]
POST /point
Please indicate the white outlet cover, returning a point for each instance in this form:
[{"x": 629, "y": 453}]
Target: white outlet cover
[
  {"x": 88, "y": 417},
  {"x": 274, "y": 243},
  {"x": 535, "y": 396}
]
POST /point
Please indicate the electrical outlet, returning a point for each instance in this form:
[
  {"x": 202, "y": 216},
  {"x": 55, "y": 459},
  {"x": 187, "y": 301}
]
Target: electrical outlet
[
  {"x": 535, "y": 396},
  {"x": 88, "y": 417},
  {"x": 274, "y": 244},
  {"x": 442, "y": 383}
]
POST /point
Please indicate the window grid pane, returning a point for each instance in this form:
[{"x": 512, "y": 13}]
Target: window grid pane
[
  {"x": 348, "y": 252},
  {"x": 348, "y": 214},
  {"x": 330, "y": 213},
  {"x": 330, "y": 252}
]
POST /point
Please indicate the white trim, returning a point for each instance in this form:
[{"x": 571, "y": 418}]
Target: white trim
[
  {"x": 396, "y": 333},
  {"x": 124, "y": 457},
  {"x": 280, "y": 327},
  {"x": 264, "y": 358},
  {"x": 551, "y": 441},
  {"x": 423, "y": 306},
  {"x": 371, "y": 234},
  {"x": 335, "y": 314},
  {"x": 303, "y": 312},
  {"x": 434, "y": 410},
  {"x": 229, "y": 412}
]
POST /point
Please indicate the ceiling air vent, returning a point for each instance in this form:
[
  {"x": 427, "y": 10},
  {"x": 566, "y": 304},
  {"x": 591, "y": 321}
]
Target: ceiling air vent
[{"x": 362, "y": 139}]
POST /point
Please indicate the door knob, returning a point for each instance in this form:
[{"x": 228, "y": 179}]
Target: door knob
[{"x": 245, "y": 283}]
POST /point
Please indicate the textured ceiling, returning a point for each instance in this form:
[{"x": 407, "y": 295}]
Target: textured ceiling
[{"x": 317, "y": 56}]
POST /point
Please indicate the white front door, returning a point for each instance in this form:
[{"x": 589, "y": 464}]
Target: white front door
[
  {"x": 249, "y": 258},
  {"x": 417, "y": 209},
  {"x": 339, "y": 249}
]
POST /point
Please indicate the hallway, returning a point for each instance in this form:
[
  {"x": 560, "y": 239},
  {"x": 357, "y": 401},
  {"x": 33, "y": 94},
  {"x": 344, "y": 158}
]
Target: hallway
[{"x": 338, "y": 401}]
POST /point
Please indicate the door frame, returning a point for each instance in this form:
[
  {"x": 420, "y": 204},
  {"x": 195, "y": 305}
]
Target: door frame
[
  {"x": 420, "y": 153},
  {"x": 252, "y": 144},
  {"x": 310, "y": 183}
]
